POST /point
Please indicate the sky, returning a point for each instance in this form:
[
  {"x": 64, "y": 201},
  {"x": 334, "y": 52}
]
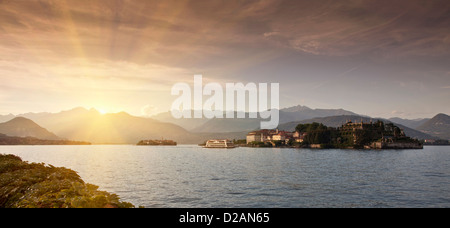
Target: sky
[{"x": 378, "y": 58}]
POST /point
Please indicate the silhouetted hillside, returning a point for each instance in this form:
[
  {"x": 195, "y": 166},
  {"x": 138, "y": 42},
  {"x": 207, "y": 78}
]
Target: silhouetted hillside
[
  {"x": 14, "y": 140},
  {"x": 438, "y": 126},
  {"x": 409, "y": 123},
  {"x": 23, "y": 127},
  {"x": 296, "y": 113}
]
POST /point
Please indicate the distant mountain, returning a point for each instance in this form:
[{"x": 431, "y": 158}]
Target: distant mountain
[
  {"x": 299, "y": 113},
  {"x": 124, "y": 128},
  {"x": 58, "y": 122},
  {"x": 5, "y": 118},
  {"x": 228, "y": 125},
  {"x": 23, "y": 127},
  {"x": 204, "y": 125},
  {"x": 295, "y": 113},
  {"x": 438, "y": 126},
  {"x": 187, "y": 124},
  {"x": 337, "y": 121},
  {"x": 409, "y": 123},
  {"x": 330, "y": 121},
  {"x": 80, "y": 124},
  {"x": 89, "y": 125}
]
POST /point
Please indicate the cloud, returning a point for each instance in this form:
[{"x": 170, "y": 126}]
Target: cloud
[
  {"x": 131, "y": 45},
  {"x": 268, "y": 34},
  {"x": 393, "y": 29},
  {"x": 210, "y": 33},
  {"x": 79, "y": 75},
  {"x": 396, "y": 112},
  {"x": 149, "y": 110}
]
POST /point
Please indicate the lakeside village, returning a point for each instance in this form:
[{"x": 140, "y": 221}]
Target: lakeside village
[{"x": 349, "y": 136}]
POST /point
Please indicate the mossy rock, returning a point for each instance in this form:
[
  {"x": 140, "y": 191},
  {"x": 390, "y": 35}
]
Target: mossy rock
[{"x": 36, "y": 185}]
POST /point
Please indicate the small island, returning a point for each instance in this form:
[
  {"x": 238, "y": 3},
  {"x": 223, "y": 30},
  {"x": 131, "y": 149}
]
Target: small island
[
  {"x": 350, "y": 135},
  {"x": 157, "y": 143}
]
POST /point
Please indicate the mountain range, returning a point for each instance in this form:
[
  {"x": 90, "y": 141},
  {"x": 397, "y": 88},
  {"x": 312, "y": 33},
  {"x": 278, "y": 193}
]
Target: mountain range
[
  {"x": 438, "y": 126},
  {"x": 118, "y": 128},
  {"x": 296, "y": 113},
  {"x": 81, "y": 124},
  {"x": 415, "y": 123}
]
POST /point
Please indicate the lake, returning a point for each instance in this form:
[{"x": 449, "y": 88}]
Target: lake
[{"x": 189, "y": 176}]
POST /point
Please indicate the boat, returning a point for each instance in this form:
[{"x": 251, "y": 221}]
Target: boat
[{"x": 219, "y": 143}]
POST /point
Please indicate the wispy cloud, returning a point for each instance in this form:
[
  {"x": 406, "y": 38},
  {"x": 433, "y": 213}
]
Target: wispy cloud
[
  {"x": 127, "y": 45},
  {"x": 79, "y": 75},
  {"x": 149, "y": 110},
  {"x": 190, "y": 33}
]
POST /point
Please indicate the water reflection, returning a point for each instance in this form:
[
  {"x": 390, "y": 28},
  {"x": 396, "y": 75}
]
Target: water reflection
[{"x": 191, "y": 176}]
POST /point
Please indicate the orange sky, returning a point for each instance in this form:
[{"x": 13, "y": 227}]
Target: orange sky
[{"x": 124, "y": 55}]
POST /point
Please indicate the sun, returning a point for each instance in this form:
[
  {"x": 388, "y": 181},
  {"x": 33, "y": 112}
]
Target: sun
[
  {"x": 107, "y": 110},
  {"x": 102, "y": 111}
]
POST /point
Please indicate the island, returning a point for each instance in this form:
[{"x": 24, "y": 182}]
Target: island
[
  {"x": 161, "y": 142},
  {"x": 377, "y": 135}
]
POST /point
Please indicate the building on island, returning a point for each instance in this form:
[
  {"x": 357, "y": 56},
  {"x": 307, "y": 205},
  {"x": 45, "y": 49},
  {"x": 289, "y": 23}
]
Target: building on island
[
  {"x": 265, "y": 135},
  {"x": 261, "y": 135},
  {"x": 378, "y": 135},
  {"x": 299, "y": 136}
]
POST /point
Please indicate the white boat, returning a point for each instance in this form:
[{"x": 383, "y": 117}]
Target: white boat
[{"x": 219, "y": 143}]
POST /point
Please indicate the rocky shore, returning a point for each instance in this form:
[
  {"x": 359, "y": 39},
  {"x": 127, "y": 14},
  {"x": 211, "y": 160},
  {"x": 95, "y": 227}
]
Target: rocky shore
[{"x": 36, "y": 185}]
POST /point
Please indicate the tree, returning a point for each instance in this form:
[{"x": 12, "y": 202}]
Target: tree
[{"x": 310, "y": 127}]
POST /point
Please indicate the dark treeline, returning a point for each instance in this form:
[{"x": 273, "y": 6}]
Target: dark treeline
[{"x": 12, "y": 140}]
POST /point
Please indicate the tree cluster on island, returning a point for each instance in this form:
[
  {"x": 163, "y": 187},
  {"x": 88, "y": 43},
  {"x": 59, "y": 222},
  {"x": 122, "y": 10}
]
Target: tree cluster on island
[
  {"x": 349, "y": 135},
  {"x": 163, "y": 142},
  {"x": 353, "y": 135}
]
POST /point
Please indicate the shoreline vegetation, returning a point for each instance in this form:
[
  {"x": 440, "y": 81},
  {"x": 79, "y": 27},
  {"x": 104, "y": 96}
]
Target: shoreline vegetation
[
  {"x": 156, "y": 143},
  {"x": 14, "y": 140},
  {"x": 36, "y": 185},
  {"x": 361, "y": 135}
]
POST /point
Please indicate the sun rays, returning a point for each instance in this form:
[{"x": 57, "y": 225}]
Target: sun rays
[{"x": 126, "y": 55}]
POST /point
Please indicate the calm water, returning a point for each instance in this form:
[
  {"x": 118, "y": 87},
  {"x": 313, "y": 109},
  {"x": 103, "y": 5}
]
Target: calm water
[{"x": 190, "y": 176}]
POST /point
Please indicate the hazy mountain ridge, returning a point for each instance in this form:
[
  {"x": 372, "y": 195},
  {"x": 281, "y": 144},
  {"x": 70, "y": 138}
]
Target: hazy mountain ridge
[
  {"x": 90, "y": 125},
  {"x": 414, "y": 123},
  {"x": 187, "y": 124},
  {"x": 23, "y": 127},
  {"x": 80, "y": 124},
  {"x": 116, "y": 128},
  {"x": 6, "y": 118},
  {"x": 295, "y": 113},
  {"x": 299, "y": 113},
  {"x": 438, "y": 126}
]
